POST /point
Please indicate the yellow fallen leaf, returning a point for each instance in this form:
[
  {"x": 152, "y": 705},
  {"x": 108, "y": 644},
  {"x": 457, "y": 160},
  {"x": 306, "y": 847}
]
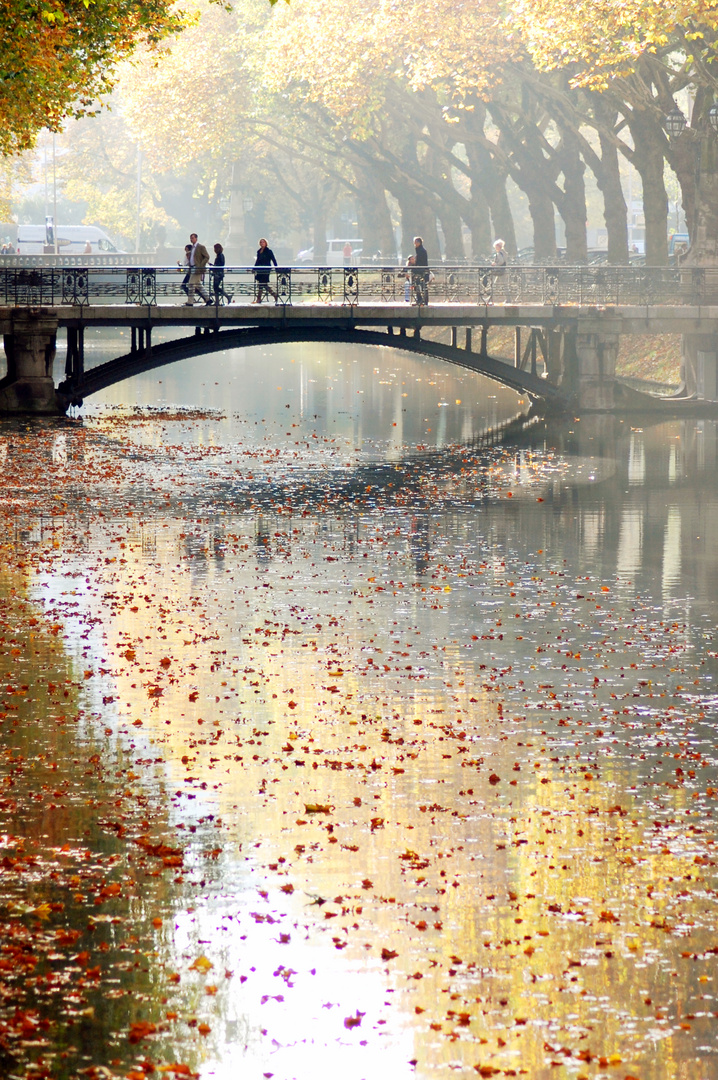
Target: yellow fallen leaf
[{"x": 201, "y": 964}]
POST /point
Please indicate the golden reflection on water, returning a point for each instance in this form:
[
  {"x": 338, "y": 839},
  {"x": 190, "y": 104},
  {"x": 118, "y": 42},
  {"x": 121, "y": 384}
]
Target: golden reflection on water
[{"x": 472, "y": 884}]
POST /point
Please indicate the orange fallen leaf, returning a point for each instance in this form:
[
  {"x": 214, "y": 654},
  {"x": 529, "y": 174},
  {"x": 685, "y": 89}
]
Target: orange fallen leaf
[{"x": 202, "y": 964}]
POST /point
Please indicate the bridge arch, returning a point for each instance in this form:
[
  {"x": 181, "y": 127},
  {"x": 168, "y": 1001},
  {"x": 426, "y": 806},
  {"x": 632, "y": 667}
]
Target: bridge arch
[{"x": 73, "y": 391}]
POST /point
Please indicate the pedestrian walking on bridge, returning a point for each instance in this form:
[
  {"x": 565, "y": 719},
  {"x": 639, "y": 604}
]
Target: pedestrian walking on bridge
[
  {"x": 198, "y": 259},
  {"x": 218, "y": 276},
  {"x": 420, "y": 273},
  {"x": 265, "y": 258}
]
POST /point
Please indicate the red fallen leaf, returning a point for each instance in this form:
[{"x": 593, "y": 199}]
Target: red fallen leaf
[
  {"x": 114, "y": 889},
  {"x": 193, "y": 696},
  {"x": 287, "y": 889},
  {"x": 486, "y": 1070},
  {"x": 607, "y": 916},
  {"x": 140, "y": 1029},
  {"x": 388, "y": 954},
  {"x": 493, "y": 779},
  {"x": 165, "y": 662},
  {"x": 353, "y": 1021}
]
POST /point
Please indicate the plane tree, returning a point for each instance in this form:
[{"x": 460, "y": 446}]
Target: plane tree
[{"x": 641, "y": 54}]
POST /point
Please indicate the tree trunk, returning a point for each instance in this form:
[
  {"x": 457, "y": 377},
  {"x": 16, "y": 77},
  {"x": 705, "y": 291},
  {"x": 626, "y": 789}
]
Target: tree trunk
[
  {"x": 572, "y": 207},
  {"x": 479, "y": 223},
  {"x": 541, "y": 211},
  {"x": 614, "y": 204},
  {"x": 487, "y": 180},
  {"x": 375, "y": 226},
  {"x": 648, "y": 141},
  {"x": 704, "y": 242},
  {"x": 451, "y": 228},
  {"x": 501, "y": 216},
  {"x": 417, "y": 219}
]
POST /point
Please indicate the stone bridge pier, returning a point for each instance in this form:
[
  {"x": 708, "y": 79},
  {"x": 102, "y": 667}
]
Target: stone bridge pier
[
  {"x": 583, "y": 364},
  {"x": 28, "y": 388},
  {"x": 595, "y": 384}
]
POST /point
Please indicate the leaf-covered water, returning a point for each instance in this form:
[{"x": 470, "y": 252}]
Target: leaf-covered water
[{"x": 334, "y": 746}]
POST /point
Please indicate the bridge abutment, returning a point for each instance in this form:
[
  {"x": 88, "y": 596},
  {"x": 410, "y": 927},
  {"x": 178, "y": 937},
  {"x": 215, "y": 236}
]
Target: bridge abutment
[
  {"x": 29, "y": 337},
  {"x": 595, "y": 366},
  {"x": 700, "y": 366}
]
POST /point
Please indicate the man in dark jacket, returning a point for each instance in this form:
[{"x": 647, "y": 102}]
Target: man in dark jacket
[{"x": 420, "y": 273}]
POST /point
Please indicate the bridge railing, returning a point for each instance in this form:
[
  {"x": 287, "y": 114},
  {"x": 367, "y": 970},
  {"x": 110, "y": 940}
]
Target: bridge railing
[{"x": 352, "y": 286}]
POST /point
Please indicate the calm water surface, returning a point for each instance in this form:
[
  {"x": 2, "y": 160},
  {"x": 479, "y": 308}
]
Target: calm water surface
[{"x": 338, "y": 741}]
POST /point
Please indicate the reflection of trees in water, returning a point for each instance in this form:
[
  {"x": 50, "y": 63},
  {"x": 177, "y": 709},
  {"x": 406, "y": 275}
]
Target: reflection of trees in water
[{"x": 72, "y": 919}]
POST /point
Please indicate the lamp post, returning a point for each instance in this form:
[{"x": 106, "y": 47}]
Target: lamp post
[{"x": 139, "y": 198}]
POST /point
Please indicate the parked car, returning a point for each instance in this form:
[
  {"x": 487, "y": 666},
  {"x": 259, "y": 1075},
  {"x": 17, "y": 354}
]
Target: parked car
[
  {"x": 71, "y": 240},
  {"x": 334, "y": 255}
]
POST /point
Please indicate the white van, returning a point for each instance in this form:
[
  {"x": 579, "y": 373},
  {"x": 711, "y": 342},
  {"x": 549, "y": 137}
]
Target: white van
[
  {"x": 71, "y": 240},
  {"x": 335, "y": 254}
]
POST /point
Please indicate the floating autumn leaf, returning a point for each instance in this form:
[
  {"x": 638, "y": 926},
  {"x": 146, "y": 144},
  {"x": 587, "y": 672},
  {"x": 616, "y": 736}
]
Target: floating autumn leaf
[
  {"x": 353, "y": 1021},
  {"x": 140, "y": 1029},
  {"x": 317, "y": 808},
  {"x": 388, "y": 954},
  {"x": 202, "y": 964}
]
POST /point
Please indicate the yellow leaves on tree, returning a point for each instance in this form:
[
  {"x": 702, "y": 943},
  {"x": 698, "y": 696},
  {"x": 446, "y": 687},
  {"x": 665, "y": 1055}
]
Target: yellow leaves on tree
[
  {"x": 56, "y": 58},
  {"x": 598, "y": 41}
]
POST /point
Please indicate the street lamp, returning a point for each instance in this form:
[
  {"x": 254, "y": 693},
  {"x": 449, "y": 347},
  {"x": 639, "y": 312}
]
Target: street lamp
[{"x": 675, "y": 122}]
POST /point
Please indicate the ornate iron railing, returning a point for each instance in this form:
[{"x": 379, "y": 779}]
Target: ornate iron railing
[{"x": 595, "y": 286}]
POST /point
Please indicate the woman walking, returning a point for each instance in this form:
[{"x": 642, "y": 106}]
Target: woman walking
[{"x": 265, "y": 258}]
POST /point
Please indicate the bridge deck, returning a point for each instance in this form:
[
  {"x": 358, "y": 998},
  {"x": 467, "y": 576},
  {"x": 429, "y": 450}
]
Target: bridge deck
[{"x": 623, "y": 319}]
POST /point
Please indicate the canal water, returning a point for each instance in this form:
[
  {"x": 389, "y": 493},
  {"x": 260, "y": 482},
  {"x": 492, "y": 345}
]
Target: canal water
[{"x": 351, "y": 726}]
